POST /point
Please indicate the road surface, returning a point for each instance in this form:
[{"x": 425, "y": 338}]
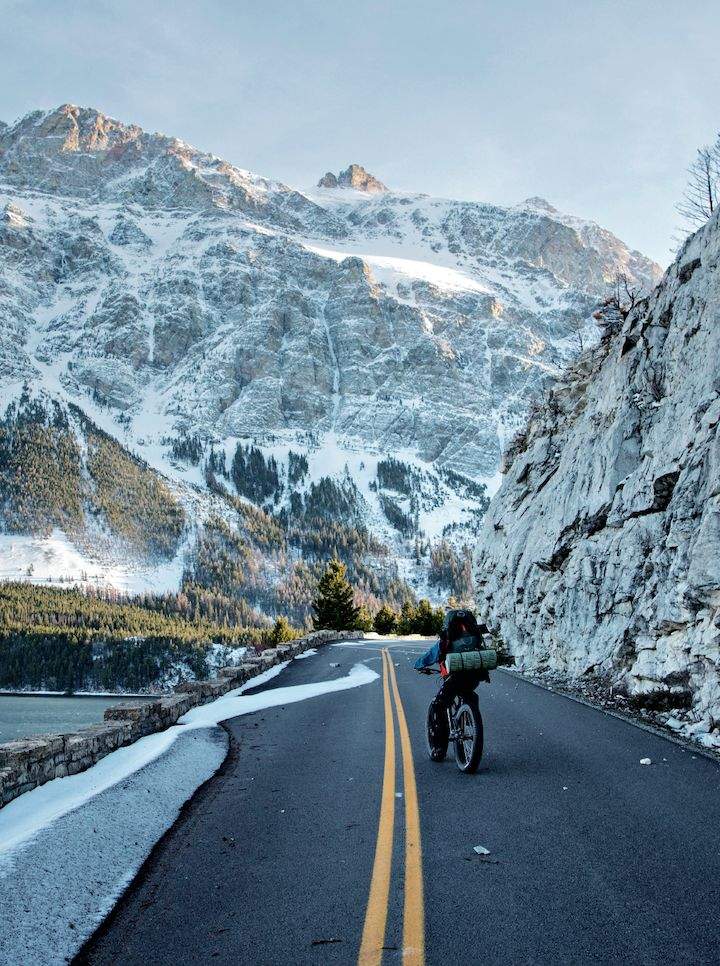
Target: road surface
[{"x": 330, "y": 837}]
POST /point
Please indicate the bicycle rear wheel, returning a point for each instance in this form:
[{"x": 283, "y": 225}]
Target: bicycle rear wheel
[
  {"x": 437, "y": 732},
  {"x": 468, "y": 728}
]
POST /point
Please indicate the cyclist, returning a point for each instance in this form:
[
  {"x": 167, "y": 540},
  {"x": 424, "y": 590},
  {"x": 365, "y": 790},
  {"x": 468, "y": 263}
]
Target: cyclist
[{"x": 460, "y": 630}]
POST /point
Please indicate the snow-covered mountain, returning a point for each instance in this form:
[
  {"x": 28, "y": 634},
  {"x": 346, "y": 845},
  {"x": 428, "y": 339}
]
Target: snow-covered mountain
[
  {"x": 600, "y": 555},
  {"x": 175, "y": 297}
]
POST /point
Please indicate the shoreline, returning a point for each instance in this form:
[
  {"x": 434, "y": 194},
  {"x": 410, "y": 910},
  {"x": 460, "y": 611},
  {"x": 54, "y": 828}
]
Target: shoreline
[{"x": 83, "y": 694}]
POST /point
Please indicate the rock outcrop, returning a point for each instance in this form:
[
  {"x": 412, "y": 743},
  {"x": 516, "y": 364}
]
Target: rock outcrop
[
  {"x": 600, "y": 554},
  {"x": 354, "y": 176}
]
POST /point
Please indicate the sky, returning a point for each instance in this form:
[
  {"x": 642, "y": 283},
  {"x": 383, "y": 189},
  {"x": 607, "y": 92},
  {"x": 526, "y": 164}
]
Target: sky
[{"x": 597, "y": 106}]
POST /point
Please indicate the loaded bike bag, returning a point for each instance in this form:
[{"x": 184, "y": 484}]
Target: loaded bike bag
[{"x": 471, "y": 661}]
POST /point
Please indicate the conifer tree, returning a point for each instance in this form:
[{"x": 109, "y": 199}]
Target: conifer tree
[
  {"x": 385, "y": 620},
  {"x": 282, "y": 631},
  {"x": 334, "y": 607},
  {"x": 406, "y": 621},
  {"x": 364, "y": 621},
  {"x": 428, "y": 621}
]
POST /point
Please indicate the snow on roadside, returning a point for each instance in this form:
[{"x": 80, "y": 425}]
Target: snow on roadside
[
  {"x": 234, "y": 703},
  {"x": 69, "y": 848},
  {"x": 29, "y": 813},
  {"x": 390, "y": 638},
  {"x": 59, "y": 885}
]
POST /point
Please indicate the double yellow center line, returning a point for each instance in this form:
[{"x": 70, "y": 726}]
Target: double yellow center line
[{"x": 373, "y": 937}]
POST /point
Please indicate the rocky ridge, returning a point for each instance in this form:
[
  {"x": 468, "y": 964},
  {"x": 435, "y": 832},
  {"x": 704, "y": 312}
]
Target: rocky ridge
[
  {"x": 599, "y": 558},
  {"x": 354, "y": 176}
]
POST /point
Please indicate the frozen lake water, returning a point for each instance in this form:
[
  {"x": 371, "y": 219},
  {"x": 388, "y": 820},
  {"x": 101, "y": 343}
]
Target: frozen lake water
[{"x": 24, "y": 715}]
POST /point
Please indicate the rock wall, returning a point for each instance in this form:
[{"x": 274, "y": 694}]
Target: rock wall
[
  {"x": 29, "y": 762},
  {"x": 600, "y": 554}
]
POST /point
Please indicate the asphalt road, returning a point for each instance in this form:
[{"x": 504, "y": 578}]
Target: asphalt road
[{"x": 594, "y": 858}]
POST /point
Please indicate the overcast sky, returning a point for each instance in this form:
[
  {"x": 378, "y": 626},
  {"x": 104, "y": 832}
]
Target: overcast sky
[{"x": 596, "y": 106}]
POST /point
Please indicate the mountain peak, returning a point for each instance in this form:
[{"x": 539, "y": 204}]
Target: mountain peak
[
  {"x": 70, "y": 128},
  {"x": 540, "y": 203},
  {"x": 354, "y": 176}
]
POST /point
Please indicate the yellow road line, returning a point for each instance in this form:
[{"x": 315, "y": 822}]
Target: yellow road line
[
  {"x": 413, "y": 912},
  {"x": 373, "y": 937}
]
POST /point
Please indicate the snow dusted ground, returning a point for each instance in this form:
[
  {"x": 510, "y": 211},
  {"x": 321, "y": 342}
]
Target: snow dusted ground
[
  {"x": 55, "y": 559},
  {"x": 69, "y": 848}
]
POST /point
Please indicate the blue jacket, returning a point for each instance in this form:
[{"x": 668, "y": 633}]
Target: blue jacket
[{"x": 433, "y": 656}]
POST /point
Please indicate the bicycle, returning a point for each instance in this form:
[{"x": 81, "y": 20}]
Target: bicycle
[{"x": 462, "y": 722}]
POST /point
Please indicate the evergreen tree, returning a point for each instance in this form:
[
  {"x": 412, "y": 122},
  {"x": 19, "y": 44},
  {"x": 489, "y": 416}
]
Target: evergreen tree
[
  {"x": 428, "y": 621},
  {"x": 333, "y": 606},
  {"x": 385, "y": 620},
  {"x": 406, "y": 621},
  {"x": 282, "y": 631},
  {"x": 364, "y": 621}
]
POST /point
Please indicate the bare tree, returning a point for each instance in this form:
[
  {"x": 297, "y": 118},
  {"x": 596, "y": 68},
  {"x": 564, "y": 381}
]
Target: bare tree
[
  {"x": 623, "y": 295},
  {"x": 702, "y": 194},
  {"x": 654, "y": 381}
]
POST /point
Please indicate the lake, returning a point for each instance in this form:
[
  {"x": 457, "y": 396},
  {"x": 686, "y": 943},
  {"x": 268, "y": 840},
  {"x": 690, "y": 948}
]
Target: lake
[{"x": 24, "y": 715}]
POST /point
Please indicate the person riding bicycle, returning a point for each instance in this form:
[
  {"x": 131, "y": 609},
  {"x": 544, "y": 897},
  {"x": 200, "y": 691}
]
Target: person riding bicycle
[
  {"x": 457, "y": 625},
  {"x": 460, "y": 631}
]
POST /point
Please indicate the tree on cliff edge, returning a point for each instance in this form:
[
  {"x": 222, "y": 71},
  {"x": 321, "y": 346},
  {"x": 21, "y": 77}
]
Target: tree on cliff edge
[
  {"x": 334, "y": 606},
  {"x": 702, "y": 194}
]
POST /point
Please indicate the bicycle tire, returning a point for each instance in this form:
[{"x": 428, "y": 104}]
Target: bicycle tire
[
  {"x": 469, "y": 750},
  {"x": 436, "y": 749}
]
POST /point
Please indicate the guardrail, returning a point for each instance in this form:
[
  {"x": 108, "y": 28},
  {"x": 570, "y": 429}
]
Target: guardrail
[{"x": 29, "y": 762}]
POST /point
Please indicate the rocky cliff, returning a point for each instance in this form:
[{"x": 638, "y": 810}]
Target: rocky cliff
[
  {"x": 354, "y": 176},
  {"x": 600, "y": 554}
]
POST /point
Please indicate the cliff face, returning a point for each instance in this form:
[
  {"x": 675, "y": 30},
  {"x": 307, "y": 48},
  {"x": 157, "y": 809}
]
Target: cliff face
[{"x": 601, "y": 551}]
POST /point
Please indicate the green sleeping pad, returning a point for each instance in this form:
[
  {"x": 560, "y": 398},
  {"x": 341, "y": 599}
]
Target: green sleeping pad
[{"x": 471, "y": 661}]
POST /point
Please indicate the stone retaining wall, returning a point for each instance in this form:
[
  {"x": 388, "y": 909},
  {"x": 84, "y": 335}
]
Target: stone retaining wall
[{"x": 29, "y": 762}]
